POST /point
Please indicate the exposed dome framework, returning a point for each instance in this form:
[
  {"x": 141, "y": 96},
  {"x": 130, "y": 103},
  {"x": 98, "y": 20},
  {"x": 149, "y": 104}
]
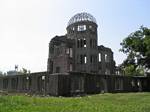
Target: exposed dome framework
[{"x": 81, "y": 17}]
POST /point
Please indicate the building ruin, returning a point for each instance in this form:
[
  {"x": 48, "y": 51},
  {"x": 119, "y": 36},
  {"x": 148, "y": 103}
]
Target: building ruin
[
  {"x": 78, "y": 51},
  {"x": 76, "y": 65}
]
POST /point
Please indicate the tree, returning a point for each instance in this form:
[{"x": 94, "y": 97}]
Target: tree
[{"x": 137, "y": 48}]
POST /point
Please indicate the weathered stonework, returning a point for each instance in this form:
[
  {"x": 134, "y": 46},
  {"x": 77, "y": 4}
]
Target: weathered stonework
[
  {"x": 78, "y": 50},
  {"x": 73, "y": 83},
  {"x": 76, "y": 66}
]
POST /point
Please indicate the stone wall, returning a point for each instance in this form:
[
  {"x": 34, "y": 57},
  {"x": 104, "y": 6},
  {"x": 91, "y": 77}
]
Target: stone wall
[{"x": 73, "y": 83}]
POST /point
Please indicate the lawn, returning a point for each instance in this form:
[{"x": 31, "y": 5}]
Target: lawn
[{"x": 120, "y": 102}]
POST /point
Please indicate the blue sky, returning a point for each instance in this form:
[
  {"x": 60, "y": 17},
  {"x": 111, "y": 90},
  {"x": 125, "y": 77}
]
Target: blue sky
[{"x": 26, "y": 27}]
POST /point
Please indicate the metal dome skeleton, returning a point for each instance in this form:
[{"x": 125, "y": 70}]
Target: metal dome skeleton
[{"x": 81, "y": 17}]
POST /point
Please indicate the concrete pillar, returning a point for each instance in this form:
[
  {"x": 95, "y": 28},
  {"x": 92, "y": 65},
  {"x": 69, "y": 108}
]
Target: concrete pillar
[
  {"x": 20, "y": 83},
  {"x": 9, "y": 84},
  {"x": 1, "y": 84},
  {"x": 34, "y": 82}
]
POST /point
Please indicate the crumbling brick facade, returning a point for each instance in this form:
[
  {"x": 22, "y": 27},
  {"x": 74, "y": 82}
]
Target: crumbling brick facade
[
  {"x": 73, "y": 83},
  {"x": 76, "y": 65},
  {"x": 78, "y": 51}
]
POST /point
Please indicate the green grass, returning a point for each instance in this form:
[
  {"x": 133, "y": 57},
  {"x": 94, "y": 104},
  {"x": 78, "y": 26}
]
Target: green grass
[{"x": 121, "y": 102}]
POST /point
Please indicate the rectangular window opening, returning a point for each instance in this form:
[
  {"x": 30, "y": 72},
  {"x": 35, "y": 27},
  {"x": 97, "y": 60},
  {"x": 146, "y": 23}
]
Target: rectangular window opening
[
  {"x": 81, "y": 28},
  {"x": 99, "y": 57},
  {"x": 85, "y": 59},
  {"x": 84, "y": 42},
  {"x": 67, "y": 51},
  {"x": 107, "y": 71},
  {"x": 81, "y": 58},
  {"x": 57, "y": 69},
  {"x": 91, "y": 59},
  {"x": 70, "y": 52},
  {"x": 106, "y": 58},
  {"x": 70, "y": 67}
]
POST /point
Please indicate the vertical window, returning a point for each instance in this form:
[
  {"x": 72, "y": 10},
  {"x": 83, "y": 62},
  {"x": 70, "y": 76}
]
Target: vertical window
[
  {"x": 81, "y": 43},
  {"x": 67, "y": 51},
  {"x": 57, "y": 69},
  {"x": 70, "y": 51},
  {"x": 91, "y": 59},
  {"x": 84, "y": 41},
  {"x": 85, "y": 59},
  {"x": 99, "y": 57},
  {"x": 106, "y": 58},
  {"x": 81, "y": 27},
  {"x": 90, "y": 27},
  {"x": 107, "y": 72},
  {"x": 70, "y": 67},
  {"x": 43, "y": 77},
  {"x": 93, "y": 43},
  {"x": 81, "y": 59}
]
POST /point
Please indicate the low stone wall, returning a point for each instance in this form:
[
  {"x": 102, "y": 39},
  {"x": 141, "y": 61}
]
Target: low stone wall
[{"x": 73, "y": 83}]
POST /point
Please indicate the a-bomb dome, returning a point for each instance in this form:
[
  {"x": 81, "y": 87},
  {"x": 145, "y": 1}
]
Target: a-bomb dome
[{"x": 81, "y": 17}]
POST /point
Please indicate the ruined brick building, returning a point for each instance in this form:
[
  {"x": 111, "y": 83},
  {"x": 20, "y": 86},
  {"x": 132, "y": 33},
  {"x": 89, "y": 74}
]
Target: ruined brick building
[
  {"x": 76, "y": 65},
  {"x": 78, "y": 50}
]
